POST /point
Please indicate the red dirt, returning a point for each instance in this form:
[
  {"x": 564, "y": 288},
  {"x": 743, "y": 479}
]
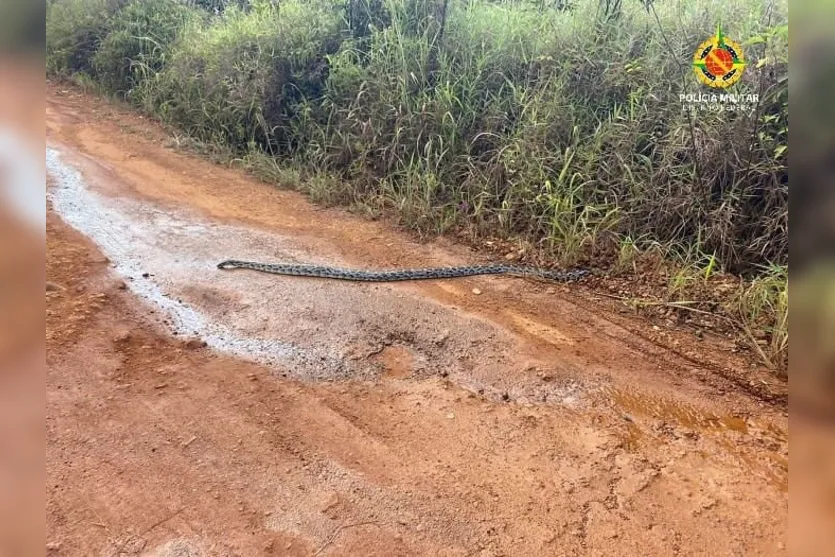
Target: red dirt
[{"x": 159, "y": 446}]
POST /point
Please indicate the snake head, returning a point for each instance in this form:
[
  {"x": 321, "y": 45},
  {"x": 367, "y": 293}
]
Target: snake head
[{"x": 228, "y": 264}]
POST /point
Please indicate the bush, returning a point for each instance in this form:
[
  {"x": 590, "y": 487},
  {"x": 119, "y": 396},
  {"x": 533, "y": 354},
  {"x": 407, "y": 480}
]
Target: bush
[
  {"x": 560, "y": 128},
  {"x": 74, "y": 31},
  {"x": 138, "y": 43},
  {"x": 242, "y": 79}
]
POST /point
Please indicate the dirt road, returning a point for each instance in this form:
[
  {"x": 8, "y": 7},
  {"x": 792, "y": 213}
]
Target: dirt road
[{"x": 192, "y": 411}]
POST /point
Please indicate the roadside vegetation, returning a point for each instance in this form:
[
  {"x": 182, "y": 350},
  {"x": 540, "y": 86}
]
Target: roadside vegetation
[{"x": 554, "y": 125}]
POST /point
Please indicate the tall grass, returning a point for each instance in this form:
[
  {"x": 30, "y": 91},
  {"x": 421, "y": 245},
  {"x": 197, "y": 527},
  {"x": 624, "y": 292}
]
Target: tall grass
[
  {"x": 559, "y": 124},
  {"x": 74, "y": 32},
  {"x": 138, "y": 43}
]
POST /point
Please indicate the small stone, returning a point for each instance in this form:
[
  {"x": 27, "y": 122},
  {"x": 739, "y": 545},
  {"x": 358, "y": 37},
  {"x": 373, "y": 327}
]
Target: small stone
[
  {"x": 512, "y": 256},
  {"x": 544, "y": 377},
  {"x": 195, "y": 343},
  {"x": 476, "y": 291},
  {"x": 121, "y": 337},
  {"x": 331, "y": 500},
  {"x": 450, "y": 416}
]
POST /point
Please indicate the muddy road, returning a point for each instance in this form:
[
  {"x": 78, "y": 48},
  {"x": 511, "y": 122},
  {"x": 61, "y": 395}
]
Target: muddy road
[{"x": 193, "y": 411}]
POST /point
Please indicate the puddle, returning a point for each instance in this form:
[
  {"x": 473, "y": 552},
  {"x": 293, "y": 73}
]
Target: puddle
[
  {"x": 771, "y": 466},
  {"x": 679, "y": 413}
]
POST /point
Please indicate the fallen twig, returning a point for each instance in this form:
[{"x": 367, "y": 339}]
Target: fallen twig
[
  {"x": 683, "y": 304},
  {"x": 161, "y": 521},
  {"x": 337, "y": 532},
  {"x": 753, "y": 342},
  {"x": 189, "y": 442},
  {"x": 676, "y": 305},
  {"x": 376, "y": 351}
]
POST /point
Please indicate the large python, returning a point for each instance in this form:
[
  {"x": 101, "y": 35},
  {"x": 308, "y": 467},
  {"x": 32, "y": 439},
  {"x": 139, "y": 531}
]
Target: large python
[{"x": 405, "y": 274}]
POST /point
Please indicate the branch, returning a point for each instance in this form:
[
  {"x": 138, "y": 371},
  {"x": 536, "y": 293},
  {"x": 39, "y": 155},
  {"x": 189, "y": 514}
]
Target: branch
[{"x": 338, "y": 531}]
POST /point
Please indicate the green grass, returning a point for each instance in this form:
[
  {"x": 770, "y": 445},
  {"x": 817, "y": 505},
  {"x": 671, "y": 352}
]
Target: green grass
[
  {"x": 763, "y": 309},
  {"x": 560, "y": 128}
]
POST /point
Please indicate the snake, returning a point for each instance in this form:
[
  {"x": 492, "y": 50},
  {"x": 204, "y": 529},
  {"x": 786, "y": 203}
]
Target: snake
[{"x": 404, "y": 274}]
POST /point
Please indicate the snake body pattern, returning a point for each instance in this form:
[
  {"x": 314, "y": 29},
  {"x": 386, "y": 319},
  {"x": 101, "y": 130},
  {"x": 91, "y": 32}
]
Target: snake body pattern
[{"x": 402, "y": 275}]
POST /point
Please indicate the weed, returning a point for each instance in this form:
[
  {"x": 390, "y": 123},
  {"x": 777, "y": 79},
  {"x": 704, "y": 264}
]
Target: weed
[{"x": 763, "y": 309}]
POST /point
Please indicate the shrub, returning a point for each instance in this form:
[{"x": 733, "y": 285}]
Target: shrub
[
  {"x": 74, "y": 31},
  {"x": 562, "y": 128},
  {"x": 241, "y": 79},
  {"x": 138, "y": 43}
]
